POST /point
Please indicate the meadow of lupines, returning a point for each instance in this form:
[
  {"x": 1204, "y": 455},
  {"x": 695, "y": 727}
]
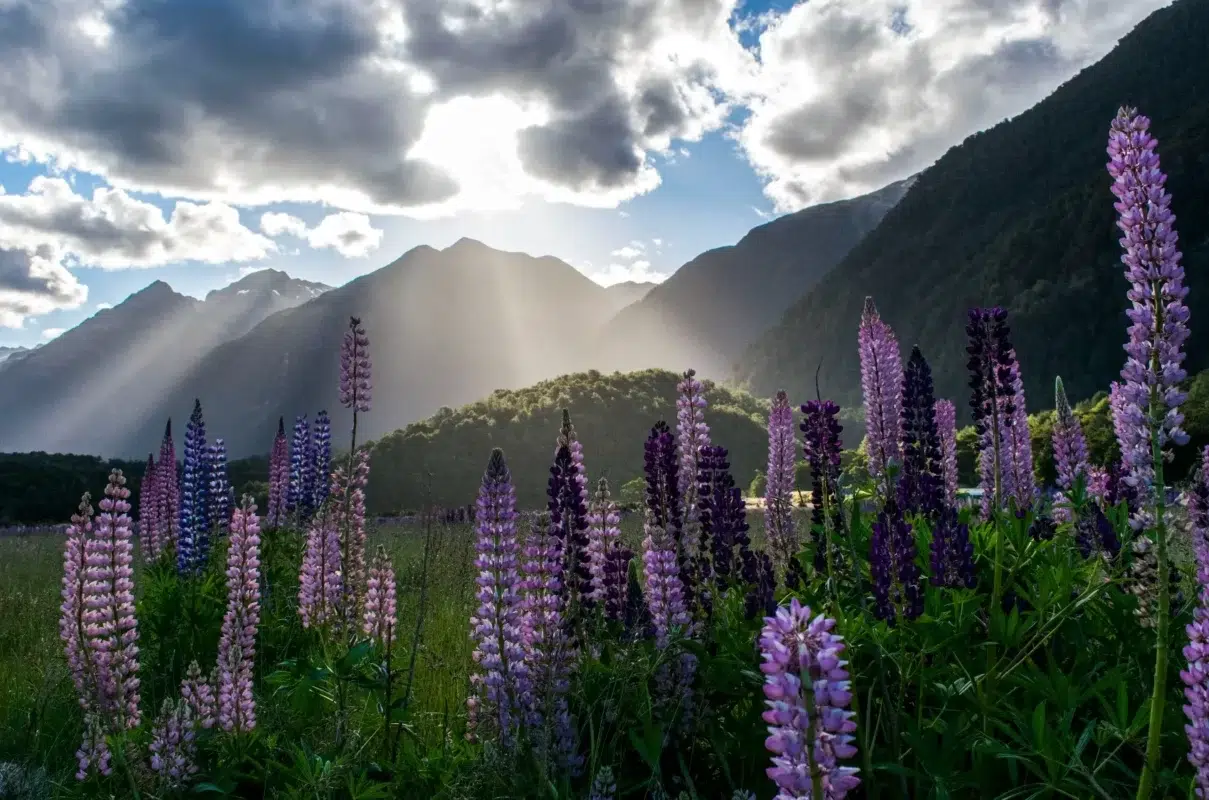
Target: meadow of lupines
[{"x": 1022, "y": 648}]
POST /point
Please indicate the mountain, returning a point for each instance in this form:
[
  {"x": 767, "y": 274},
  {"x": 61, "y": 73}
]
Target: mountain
[
  {"x": 445, "y": 327},
  {"x": 711, "y": 308},
  {"x": 7, "y": 353},
  {"x": 84, "y": 390},
  {"x": 612, "y": 415},
  {"x": 627, "y": 292},
  {"x": 1020, "y": 216}
]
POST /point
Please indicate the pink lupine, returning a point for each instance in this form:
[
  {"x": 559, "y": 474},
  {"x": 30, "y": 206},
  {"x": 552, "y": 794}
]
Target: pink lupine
[
  {"x": 237, "y": 645},
  {"x": 94, "y": 750},
  {"x": 279, "y": 476},
  {"x": 168, "y": 513},
  {"x": 198, "y": 692},
  {"x": 355, "y": 370},
  {"x": 692, "y": 434},
  {"x": 381, "y": 611},
  {"x": 946, "y": 425},
  {"x": 149, "y": 532},
  {"x": 882, "y": 385},
  {"x": 72, "y": 626},
  {"x": 173, "y": 744},
  {"x": 349, "y": 498},
  {"x": 604, "y": 536},
  {"x": 320, "y": 580}
]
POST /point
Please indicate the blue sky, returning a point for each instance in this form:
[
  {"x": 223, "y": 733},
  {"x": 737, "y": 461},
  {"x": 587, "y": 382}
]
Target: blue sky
[{"x": 149, "y": 139}]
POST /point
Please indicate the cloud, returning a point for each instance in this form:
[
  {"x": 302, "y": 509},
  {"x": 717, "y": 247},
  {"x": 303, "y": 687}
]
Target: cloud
[
  {"x": 103, "y": 306},
  {"x": 638, "y": 271},
  {"x": 631, "y": 251},
  {"x": 53, "y": 333},
  {"x": 349, "y": 234},
  {"x": 855, "y": 94},
  {"x": 35, "y": 282},
  {"x": 113, "y": 230}
]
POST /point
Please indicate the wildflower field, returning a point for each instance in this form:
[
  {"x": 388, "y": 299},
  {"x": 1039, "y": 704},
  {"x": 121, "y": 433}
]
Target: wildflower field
[{"x": 880, "y": 640}]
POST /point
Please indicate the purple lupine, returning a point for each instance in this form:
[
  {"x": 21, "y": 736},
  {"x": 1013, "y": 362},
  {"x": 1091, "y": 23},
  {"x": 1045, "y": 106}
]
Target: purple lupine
[
  {"x": 1196, "y": 675},
  {"x": 74, "y": 613},
  {"x": 664, "y": 590},
  {"x": 498, "y": 682},
  {"x": 692, "y": 433},
  {"x": 320, "y": 579},
  {"x": 881, "y": 383},
  {"x": 168, "y": 514},
  {"x": 761, "y": 593},
  {"x": 193, "y": 547},
  {"x": 617, "y": 581},
  {"x": 279, "y": 476},
  {"x": 237, "y": 645},
  {"x": 173, "y": 745},
  {"x": 896, "y": 577},
  {"x": 1150, "y": 397},
  {"x": 1095, "y": 535},
  {"x": 298, "y": 498},
  {"x": 569, "y": 522},
  {"x": 1070, "y": 448},
  {"x": 822, "y": 446},
  {"x": 569, "y": 438},
  {"x": 381, "y": 615},
  {"x": 992, "y": 395},
  {"x": 321, "y": 459},
  {"x": 220, "y": 487},
  {"x": 952, "y": 552},
  {"x": 149, "y": 506},
  {"x": 604, "y": 536},
  {"x": 725, "y": 518},
  {"x": 778, "y": 489},
  {"x": 348, "y": 495},
  {"x": 198, "y": 692},
  {"x": 604, "y": 785},
  {"x": 1019, "y": 482},
  {"x": 1097, "y": 482},
  {"x": 356, "y": 388},
  {"x": 946, "y": 427},
  {"x": 809, "y": 731},
  {"x": 921, "y": 486}
]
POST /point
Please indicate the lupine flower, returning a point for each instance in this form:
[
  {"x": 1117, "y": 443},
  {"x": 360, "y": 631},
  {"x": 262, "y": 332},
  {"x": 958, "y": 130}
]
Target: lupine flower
[
  {"x": 1097, "y": 482},
  {"x": 1196, "y": 676},
  {"x": 94, "y": 750},
  {"x": 992, "y": 395},
  {"x": 301, "y": 491},
  {"x": 664, "y": 590},
  {"x": 692, "y": 433},
  {"x": 921, "y": 487},
  {"x": 173, "y": 746},
  {"x": 604, "y": 785},
  {"x": 194, "y": 546},
  {"x": 149, "y": 506},
  {"x": 279, "y": 476},
  {"x": 727, "y": 517},
  {"x": 168, "y": 514},
  {"x": 569, "y": 522},
  {"x": 778, "y": 492},
  {"x": 198, "y": 692},
  {"x": 220, "y": 486},
  {"x": 355, "y": 370},
  {"x": 321, "y": 451},
  {"x": 1070, "y": 448},
  {"x": 1150, "y": 397},
  {"x": 952, "y": 552},
  {"x": 348, "y": 494},
  {"x": 761, "y": 594},
  {"x": 1017, "y": 451},
  {"x": 946, "y": 427},
  {"x": 617, "y": 581},
  {"x": 809, "y": 732},
  {"x": 381, "y": 608},
  {"x": 567, "y": 437},
  {"x": 237, "y": 645},
  {"x": 604, "y": 535},
  {"x": 1095, "y": 535},
  {"x": 499, "y": 682},
  {"x": 881, "y": 382},
  {"x": 896, "y": 577},
  {"x": 822, "y": 446},
  {"x": 73, "y": 625},
  {"x": 320, "y": 579}
]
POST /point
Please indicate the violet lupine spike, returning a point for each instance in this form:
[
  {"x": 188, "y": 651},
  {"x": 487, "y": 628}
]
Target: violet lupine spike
[
  {"x": 321, "y": 467},
  {"x": 569, "y": 521},
  {"x": 881, "y": 383},
  {"x": 723, "y": 504},
  {"x": 992, "y": 396},
  {"x": 73, "y": 611},
  {"x": 298, "y": 498},
  {"x": 617, "y": 582},
  {"x": 193, "y": 547},
  {"x": 952, "y": 552},
  {"x": 110, "y": 624},
  {"x": 822, "y": 447},
  {"x": 810, "y": 732},
  {"x": 778, "y": 491},
  {"x": 1020, "y": 484},
  {"x": 896, "y": 577},
  {"x": 1196, "y": 675},
  {"x": 355, "y": 368},
  {"x": 198, "y": 692},
  {"x": 664, "y": 589},
  {"x": 220, "y": 487},
  {"x": 604, "y": 536},
  {"x": 320, "y": 579},
  {"x": 168, "y": 514},
  {"x": 348, "y": 495},
  {"x": 149, "y": 506},
  {"x": 499, "y": 680},
  {"x": 1070, "y": 447},
  {"x": 921, "y": 485},
  {"x": 692, "y": 433},
  {"x": 1150, "y": 395},
  {"x": 567, "y": 436},
  {"x": 946, "y": 426},
  {"x": 173, "y": 745},
  {"x": 381, "y": 615},
  {"x": 279, "y": 476},
  {"x": 94, "y": 750},
  {"x": 237, "y": 644}
]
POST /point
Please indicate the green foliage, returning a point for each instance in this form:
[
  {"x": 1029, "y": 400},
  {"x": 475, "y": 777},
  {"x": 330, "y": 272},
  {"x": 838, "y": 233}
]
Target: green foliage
[
  {"x": 443, "y": 457},
  {"x": 758, "y": 485}
]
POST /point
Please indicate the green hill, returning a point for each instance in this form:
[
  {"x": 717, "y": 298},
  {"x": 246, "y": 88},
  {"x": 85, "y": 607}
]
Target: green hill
[
  {"x": 1020, "y": 216},
  {"x": 612, "y": 414}
]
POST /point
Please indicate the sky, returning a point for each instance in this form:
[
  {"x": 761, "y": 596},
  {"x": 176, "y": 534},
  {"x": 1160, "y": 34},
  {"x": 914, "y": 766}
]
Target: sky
[{"x": 192, "y": 142}]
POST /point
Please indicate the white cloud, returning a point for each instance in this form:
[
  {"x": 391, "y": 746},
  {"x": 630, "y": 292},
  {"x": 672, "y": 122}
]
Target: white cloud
[
  {"x": 113, "y": 230},
  {"x": 103, "y": 306},
  {"x": 631, "y": 251},
  {"x": 35, "y": 282},
  {"x": 638, "y": 271},
  {"x": 349, "y": 234},
  {"x": 53, "y": 333}
]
